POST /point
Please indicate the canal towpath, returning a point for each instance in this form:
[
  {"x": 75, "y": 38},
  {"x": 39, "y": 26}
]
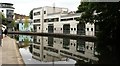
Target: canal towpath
[{"x": 9, "y": 52}]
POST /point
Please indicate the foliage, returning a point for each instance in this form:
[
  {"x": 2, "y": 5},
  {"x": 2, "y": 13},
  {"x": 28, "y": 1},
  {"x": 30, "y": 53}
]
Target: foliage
[
  {"x": 3, "y": 19},
  {"x": 107, "y": 15},
  {"x": 13, "y": 24},
  {"x": 26, "y": 23},
  {"x": 26, "y": 42}
]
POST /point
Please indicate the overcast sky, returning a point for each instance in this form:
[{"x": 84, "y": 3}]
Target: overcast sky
[{"x": 24, "y": 6}]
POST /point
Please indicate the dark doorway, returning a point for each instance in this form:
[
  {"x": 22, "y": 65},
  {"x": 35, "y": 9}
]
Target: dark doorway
[
  {"x": 50, "y": 28},
  {"x": 66, "y": 28},
  {"x": 81, "y": 29}
]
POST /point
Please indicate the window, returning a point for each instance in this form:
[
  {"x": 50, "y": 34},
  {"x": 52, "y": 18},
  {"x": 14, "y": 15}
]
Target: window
[
  {"x": 91, "y": 48},
  {"x": 44, "y": 56},
  {"x": 36, "y": 13},
  {"x": 54, "y": 28},
  {"x": 74, "y": 44},
  {"x": 44, "y": 12},
  {"x": 61, "y": 28},
  {"x": 51, "y": 20},
  {"x": 67, "y": 19},
  {"x": 87, "y": 47},
  {"x": 39, "y": 40},
  {"x": 45, "y": 20},
  {"x": 54, "y": 41},
  {"x": 71, "y": 43},
  {"x": 46, "y": 28},
  {"x": 36, "y": 20},
  {"x": 74, "y": 28},
  {"x": 71, "y": 28},
  {"x": 91, "y": 29},
  {"x": 2, "y": 11},
  {"x": 87, "y": 29},
  {"x": 39, "y": 28}
]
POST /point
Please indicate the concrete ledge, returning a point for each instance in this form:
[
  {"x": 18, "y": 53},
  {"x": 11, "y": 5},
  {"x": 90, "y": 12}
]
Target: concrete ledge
[{"x": 71, "y": 36}]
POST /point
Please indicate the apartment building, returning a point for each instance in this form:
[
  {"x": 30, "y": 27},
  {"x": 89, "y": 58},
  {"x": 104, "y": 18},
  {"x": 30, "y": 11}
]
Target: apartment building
[
  {"x": 59, "y": 20},
  {"x": 8, "y": 10}
]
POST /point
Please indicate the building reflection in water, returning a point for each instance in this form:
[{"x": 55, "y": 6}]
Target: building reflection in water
[{"x": 49, "y": 49}]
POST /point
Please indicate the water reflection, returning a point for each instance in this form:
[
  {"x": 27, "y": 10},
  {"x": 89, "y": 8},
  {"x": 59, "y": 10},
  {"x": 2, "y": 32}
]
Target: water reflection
[{"x": 51, "y": 49}]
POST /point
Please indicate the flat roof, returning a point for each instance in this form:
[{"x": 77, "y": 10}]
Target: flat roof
[
  {"x": 69, "y": 15},
  {"x": 7, "y": 3}
]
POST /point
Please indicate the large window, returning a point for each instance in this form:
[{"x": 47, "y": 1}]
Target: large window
[
  {"x": 67, "y": 19},
  {"x": 51, "y": 20},
  {"x": 36, "y": 20},
  {"x": 36, "y": 13},
  {"x": 44, "y": 12},
  {"x": 10, "y": 12}
]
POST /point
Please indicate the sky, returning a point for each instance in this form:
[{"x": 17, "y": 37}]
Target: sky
[{"x": 25, "y": 6}]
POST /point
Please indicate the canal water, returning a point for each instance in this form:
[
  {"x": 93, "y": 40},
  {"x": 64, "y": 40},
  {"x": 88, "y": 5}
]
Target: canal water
[{"x": 52, "y": 50}]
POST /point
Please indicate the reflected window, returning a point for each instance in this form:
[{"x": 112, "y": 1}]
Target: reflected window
[
  {"x": 54, "y": 41},
  {"x": 50, "y": 41},
  {"x": 91, "y": 29},
  {"x": 60, "y": 42},
  {"x": 74, "y": 44},
  {"x": 44, "y": 56},
  {"x": 91, "y": 48},
  {"x": 87, "y": 29},
  {"x": 71, "y": 43},
  {"x": 66, "y": 43},
  {"x": 80, "y": 47},
  {"x": 87, "y": 47}
]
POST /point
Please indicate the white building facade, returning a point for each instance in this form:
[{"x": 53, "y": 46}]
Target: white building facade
[
  {"x": 58, "y": 20},
  {"x": 8, "y": 10}
]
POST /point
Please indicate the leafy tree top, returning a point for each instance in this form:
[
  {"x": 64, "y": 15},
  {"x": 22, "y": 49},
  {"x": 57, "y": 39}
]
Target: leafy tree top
[{"x": 26, "y": 23}]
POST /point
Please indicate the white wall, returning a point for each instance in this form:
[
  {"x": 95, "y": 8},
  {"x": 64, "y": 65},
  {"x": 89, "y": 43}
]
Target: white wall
[{"x": 89, "y": 26}]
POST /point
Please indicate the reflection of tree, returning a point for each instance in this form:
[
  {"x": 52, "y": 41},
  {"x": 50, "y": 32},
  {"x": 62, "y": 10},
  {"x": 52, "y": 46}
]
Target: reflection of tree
[
  {"x": 26, "y": 23},
  {"x": 17, "y": 37},
  {"x": 107, "y": 15},
  {"x": 13, "y": 24},
  {"x": 26, "y": 43}
]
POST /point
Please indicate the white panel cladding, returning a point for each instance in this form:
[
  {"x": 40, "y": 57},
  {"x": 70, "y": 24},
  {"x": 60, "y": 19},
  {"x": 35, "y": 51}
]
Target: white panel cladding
[
  {"x": 89, "y": 29},
  {"x": 63, "y": 19}
]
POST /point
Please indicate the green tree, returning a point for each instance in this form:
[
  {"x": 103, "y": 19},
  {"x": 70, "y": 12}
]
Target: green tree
[
  {"x": 26, "y": 23},
  {"x": 13, "y": 24},
  {"x": 3, "y": 20},
  {"x": 108, "y": 19}
]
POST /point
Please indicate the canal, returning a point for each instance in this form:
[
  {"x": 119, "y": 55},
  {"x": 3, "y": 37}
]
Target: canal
[{"x": 52, "y": 50}]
